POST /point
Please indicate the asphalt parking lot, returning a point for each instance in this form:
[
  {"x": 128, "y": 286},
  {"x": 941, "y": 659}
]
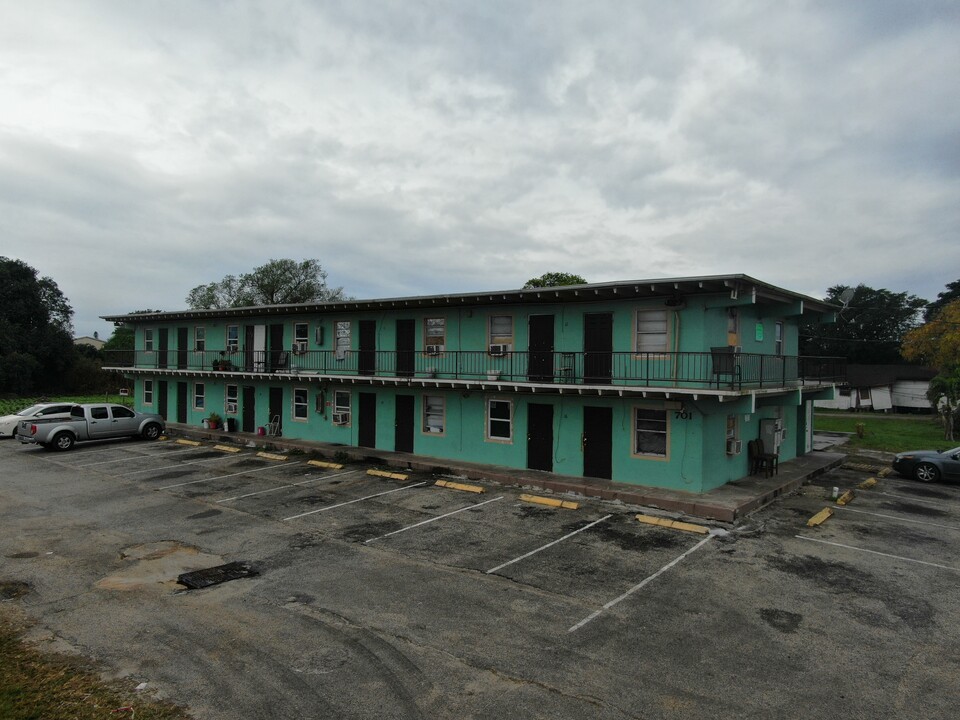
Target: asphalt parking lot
[{"x": 385, "y": 598}]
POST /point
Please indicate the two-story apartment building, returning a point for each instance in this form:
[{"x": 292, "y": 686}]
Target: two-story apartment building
[{"x": 650, "y": 382}]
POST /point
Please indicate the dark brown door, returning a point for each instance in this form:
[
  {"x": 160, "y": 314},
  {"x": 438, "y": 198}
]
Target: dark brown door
[
  {"x": 540, "y": 362},
  {"x": 367, "y": 431},
  {"x": 276, "y": 410},
  {"x": 403, "y": 438},
  {"x": 597, "y": 442},
  {"x": 162, "y": 399},
  {"x": 597, "y": 348},
  {"x": 249, "y": 418},
  {"x": 163, "y": 348},
  {"x": 183, "y": 343},
  {"x": 367, "y": 362},
  {"x": 181, "y": 402},
  {"x": 540, "y": 437},
  {"x": 406, "y": 347},
  {"x": 279, "y": 358}
]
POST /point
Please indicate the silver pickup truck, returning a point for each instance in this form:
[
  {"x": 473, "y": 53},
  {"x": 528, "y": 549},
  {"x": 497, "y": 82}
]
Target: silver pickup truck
[{"x": 92, "y": 421}]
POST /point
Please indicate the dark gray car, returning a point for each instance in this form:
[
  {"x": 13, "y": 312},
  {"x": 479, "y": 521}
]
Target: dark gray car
[{"x": 929, "y": 465}]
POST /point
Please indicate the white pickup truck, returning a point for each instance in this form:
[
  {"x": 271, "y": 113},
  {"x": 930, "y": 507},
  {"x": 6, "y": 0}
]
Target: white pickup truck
[{"x": 91, "y": 421}]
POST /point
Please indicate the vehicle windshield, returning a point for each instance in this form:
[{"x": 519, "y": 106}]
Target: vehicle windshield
[{"x": 31, "y": 410}]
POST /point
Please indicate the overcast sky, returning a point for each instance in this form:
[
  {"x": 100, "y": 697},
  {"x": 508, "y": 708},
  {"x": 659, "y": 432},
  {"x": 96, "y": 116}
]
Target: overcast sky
[{"x": 430, "y": 147}]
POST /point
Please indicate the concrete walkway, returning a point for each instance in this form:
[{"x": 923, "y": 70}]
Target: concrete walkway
[{"x": 728, "y": 504}]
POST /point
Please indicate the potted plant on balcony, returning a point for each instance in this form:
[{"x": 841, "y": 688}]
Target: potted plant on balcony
[
  {"x": 221, "y": 363},
  {"x": 213, "y": 422}
]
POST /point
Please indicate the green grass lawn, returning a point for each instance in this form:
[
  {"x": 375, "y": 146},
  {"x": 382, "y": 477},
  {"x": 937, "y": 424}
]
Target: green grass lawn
[{"x": 890, "y": 433}]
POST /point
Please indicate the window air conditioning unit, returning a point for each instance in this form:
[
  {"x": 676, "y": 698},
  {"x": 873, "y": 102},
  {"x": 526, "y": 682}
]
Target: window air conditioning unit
[
  {"x": 737, "y": 349},
  {"x": 500, "y": 350},
  {"x": 734, "y": 447},
  {"x": 231, "y": 407},
  {"x": 434, "y": 349},
  {"x": 299, "y": 348},
  {"x": 341, "y": 418}
]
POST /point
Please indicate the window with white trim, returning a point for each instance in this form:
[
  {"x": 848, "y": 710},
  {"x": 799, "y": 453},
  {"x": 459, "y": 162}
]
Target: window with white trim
[
  {"x": 652, "y": 335},
  {"x": 199, "y": 338},
  {"x": 199, "y": 396},
  {"x": 500, "y": 330},
  {"x": 342, "y": 346},
  {"x": 230, "y": 398},
  {"x": 435, "y": 333},
  {"x": 148, "y": 392},
  {"x": 499, "y": 419},
  {"x": 148, "y": 339},
  {"x": 300, "y": 399},
  {"x": 434, "y": 413},
  {"x": 650, "y": 432},
  {"x": 778, "y": 338},
  {"x": 341, "y": 401},
  {"x": 233, "y": 338},
  {"x": 732, "y": 435},
  {"x": 301, "y": 333}
]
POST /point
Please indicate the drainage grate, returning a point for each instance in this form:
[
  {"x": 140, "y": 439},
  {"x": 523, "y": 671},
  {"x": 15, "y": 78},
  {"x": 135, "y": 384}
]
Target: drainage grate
[{"x": 216, "y": 575}]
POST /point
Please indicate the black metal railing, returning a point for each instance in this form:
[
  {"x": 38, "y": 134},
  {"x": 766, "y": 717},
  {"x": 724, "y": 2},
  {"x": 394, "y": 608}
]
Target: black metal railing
[{"x": 720, "y": 368}]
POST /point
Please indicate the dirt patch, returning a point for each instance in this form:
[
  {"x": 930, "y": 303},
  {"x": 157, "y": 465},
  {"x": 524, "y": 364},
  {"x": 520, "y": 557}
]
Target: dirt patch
[
  {"x": 13, "y": 589},
  {"x": 204, "y": 514},
  {"x": 156, "y": 566},
  {"x": 925, "y": 493},
  {"x": 924, "y": 510},
  {"x": 23, "y": 555},
  {"x": 636, "y": 539},
  {"x": 782, "y": 620},
  {"x": 530, "y": 511},
  {"x": 365, "y": 531}
]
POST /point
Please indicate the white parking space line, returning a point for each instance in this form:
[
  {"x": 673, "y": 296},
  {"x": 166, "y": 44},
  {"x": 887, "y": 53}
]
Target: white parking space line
[
  {"x": 638, "y": 586},
  {"x": 548, "y": 545},
  {"x": 351, "y": 502},
  {"x": 137, "y": 457},
  {"x": 908, "y": 498},
  {"x": 221, "y": 477},
  {"x": 877, "y": 552},
  {"x": 434, "y": 519},
  {"x": 288, "y": 485},
  {"x": 898, "y": 518},
  {"x": 182, "y": 464}
]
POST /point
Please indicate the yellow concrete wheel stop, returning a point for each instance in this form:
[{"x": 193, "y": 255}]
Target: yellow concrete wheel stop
[
  {"x": 271, "y": 456},
  {"x": 227, "y": 448},
  {"x": 184, "y": 441},
  {"x": 325, "y": 464},
  {"x": 820, "y": 517},
  {"x": 460, "y": 486},
  {"x": 847, "y": 497},
  {"x": 673, "y": 524},
  {"x": 552, "y": 502},
  {"x": 386, "y": 474}
]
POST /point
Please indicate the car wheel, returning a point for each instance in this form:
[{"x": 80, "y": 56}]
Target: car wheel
[
  {"x": 63, "y": 441},
  {"x": 925, "y": 472},
  {"x": 151, "y": 432}
]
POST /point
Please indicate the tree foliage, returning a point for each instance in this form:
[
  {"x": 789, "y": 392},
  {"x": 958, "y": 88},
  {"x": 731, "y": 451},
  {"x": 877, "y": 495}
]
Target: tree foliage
[
  {"x": 36, "y": 347},
  {"x": 869, "y": 329},
  {"x": 554, "y": 279},
  {"x": 936, "y": 343},
  {"x": 943, "y": 299},
  {"x": 944, "y": 396},
  {"x": 279, "y": 282}
]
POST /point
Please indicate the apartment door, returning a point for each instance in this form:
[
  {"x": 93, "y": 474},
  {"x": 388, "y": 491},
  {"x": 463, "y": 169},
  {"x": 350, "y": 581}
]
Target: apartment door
[
  {"x": 540, "y": 362},
  {"x": 367, "y": 430},
  {"x": 275, "y": 403},
  {"x": 248, "y": 421},
  {"x": 162, "y": 399},
  {"x": 597, "y": 440},
  {"x": 181, "y": 402},
  {"x": 540, "y": 437},
  {"x": 183, "y": 346},
  {"x": 404, "y": 424},
  {"x": 597, "y": 348},
  {"x": 163, "y": 347},
  {"x": 279, "y": 358},
  {"x": 367, "y": 360},
  {"x": 406, "y": 347}
]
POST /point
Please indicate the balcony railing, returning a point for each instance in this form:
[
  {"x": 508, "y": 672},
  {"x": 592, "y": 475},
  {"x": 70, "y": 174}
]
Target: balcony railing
[{"x": 720, "y": 368}]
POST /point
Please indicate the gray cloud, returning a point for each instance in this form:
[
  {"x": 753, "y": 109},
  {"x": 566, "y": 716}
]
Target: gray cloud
[{"x": 148, "y": 148}]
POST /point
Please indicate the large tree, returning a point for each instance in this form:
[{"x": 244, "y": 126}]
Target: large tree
[
  {"x": 279, "y": 282},
  {"x": 943, "y": 299},
  {"x": 870, "y": 325},
  {"x": 36, "y": 346},
  {"x": 937, "y": 343},
  {"x": 554, "y": 279}
]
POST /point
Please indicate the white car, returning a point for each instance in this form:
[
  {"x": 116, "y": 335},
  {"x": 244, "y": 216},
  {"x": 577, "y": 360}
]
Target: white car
[{"x": 8, "y": 423}]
